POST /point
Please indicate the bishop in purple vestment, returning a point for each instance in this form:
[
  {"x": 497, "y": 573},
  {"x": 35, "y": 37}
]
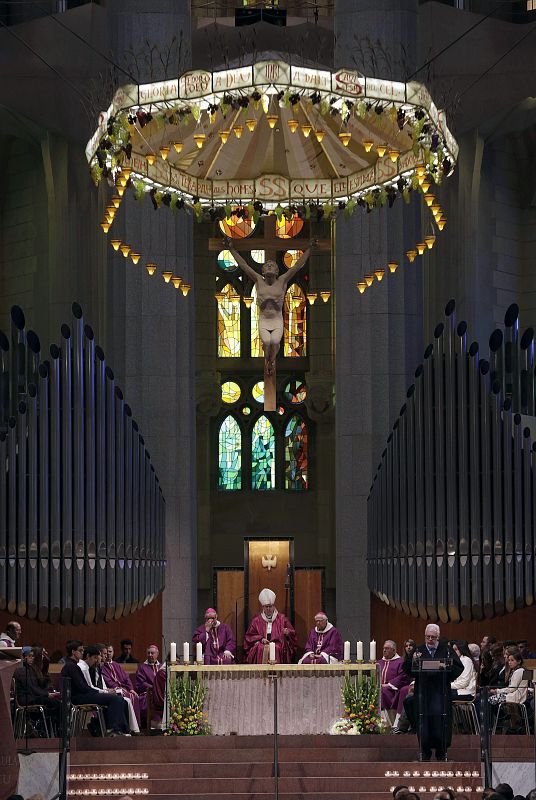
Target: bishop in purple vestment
[
  {"x": 217, "y": 640},
  {"x": 115, "y": 677},
  {"x": 324, "y": 645},
  {"x": 393, "y": 677},
  {"x": 269, "y": 626}
]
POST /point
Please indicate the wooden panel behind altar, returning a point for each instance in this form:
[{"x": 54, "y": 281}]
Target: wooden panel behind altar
[
  {"x": 229, "y": 599},
  {"x": 308, "y": 600},
  {"x": 276, "y": 555}
]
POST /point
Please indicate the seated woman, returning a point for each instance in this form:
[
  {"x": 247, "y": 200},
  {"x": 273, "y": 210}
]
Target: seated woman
[
  {"x": 464, "y": 687},
  {"x": 32, "y": 687},
  {"x": 514, "y": 692}
]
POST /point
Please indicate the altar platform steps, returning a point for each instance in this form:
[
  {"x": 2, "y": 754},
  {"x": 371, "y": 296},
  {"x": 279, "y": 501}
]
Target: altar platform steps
[{"x": 240, "y": 768}]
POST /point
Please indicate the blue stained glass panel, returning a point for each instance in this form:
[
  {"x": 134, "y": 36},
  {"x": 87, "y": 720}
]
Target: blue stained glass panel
[
  {"x": 230, "y": 455},
  {"x": 296, "y": 454},
  {"x": 263, "y": 455}
]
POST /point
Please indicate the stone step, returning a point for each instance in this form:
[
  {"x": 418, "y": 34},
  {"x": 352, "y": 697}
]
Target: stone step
[
  {"x": 291, "y": 769},
  {"x": 309, "y": 795}
]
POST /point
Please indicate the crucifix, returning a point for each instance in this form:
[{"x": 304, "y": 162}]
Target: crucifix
[{"x": 271, "y": 289}]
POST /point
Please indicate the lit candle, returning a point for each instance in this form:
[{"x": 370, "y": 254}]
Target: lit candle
[
  {"x": 271, "y": 652},
  {"x": 359, "y": 651},
  {"x": 173, "y": 652},
  {"x": 373, "y": 650},
  {"x": 347, "y": 651},
  {"x": 186, "y": 652},
  {"x": 199, "y": 652}
]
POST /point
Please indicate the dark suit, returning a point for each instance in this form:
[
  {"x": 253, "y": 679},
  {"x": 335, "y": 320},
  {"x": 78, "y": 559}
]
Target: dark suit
[
  {"x": 434, "y": 689},
  {"x": 81, "y": 693}
]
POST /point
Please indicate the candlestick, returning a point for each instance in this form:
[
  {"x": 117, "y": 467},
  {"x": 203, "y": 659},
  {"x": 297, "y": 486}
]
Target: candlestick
[
  {"x": 199, "y": 652},
  {"x": 186, "y": 652},
  {"x": 359, "y": 651},
  {"x": 173, "y": 652},
  {"x": 271, "y": 652},
  {"x": 346, "y": 656},
  {"x": 373, "y": 650}
]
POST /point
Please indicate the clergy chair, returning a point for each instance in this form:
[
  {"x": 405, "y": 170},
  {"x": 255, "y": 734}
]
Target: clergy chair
[
  {"x": 508, "y": 712},
  {"x": 464, "y": 717},
  {"x": 30, "y": 714},
  {"x": 81, "y": 714}
]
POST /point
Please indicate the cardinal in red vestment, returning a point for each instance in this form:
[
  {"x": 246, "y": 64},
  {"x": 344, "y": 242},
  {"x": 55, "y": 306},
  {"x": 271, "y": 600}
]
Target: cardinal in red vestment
[{"x": 269, "y": 626}]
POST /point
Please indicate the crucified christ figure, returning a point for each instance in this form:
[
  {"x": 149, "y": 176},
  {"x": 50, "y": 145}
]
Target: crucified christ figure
[{"x": 271, "y": 289}]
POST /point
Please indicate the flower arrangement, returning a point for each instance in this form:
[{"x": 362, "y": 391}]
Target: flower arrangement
[
  {"x": 360, "y": 694},
  {"x": 186, "y": 715}
]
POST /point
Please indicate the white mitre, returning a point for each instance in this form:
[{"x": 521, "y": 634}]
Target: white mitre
[{"x": 267, "y": 597}]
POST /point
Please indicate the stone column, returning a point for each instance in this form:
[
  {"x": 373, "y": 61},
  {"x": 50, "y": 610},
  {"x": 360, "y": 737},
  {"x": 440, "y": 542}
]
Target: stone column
[
  {"x": 378, "y": 335},
  {"x": 152, "y": 331}
]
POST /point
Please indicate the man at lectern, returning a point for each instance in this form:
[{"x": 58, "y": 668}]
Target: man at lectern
[
  {"x": 269, "y": 627},
  {"x": 429, "y": 709}
]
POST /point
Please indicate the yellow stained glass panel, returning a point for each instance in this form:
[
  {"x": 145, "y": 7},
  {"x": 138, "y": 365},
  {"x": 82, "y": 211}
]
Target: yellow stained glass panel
[
  {"x": 229, "y": 324},
  {"x": 295, "y": 322},
  {"x": 256, "y": 344},
  {"x": 230, "y": 392}
]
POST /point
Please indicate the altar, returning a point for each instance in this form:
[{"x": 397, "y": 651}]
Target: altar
[{"x": 240, "y": 697}]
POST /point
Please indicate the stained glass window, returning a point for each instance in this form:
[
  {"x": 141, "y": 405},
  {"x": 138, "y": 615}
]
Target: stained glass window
[
  {"x": 294, "y": 321},
  {"x": 259, "y": 256},
  {"x": 290, "y": 257},
  {"x": 229, "y": 323},
  {"x": 263, "y": 455},
  {"x": 256, "y": 344},
  {"x": 236, "y": 228},
  {"x": 230, "y": 392},
  {"x": 230, "y": 455},
  {"x": 295, "y": 391},
  {"x": 296, "y": 455},
  {"x": 258, "y": 392},
  {"x": 288, "y": 228},
  {"x": 226, "y": 261}
]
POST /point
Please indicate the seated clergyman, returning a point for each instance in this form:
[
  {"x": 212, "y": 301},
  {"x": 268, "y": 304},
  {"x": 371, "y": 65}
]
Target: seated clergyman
[{"x": 324, "y": 644}]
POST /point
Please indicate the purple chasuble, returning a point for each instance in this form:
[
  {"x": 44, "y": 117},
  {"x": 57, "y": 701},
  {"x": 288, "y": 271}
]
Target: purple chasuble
[
  {"x": 285, "y": 646},
  {"x": 215, "y": 643},
  {"x": 323, "y": 646}
]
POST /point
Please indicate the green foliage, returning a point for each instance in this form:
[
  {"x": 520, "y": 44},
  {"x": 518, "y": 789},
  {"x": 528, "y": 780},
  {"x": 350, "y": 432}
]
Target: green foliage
[
  {"x": 186, "y": 715},
  {"x": 360, "y": 695}
]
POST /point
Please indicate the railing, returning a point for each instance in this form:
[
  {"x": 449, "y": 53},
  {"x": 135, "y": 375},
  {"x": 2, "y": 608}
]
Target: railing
[
  {"x": 82, "y": 515},
  {"x": 451, "y": 522}
]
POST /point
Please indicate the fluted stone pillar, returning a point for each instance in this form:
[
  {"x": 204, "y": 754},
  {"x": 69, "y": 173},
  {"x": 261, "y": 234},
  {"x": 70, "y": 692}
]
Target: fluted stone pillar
[
  {"x": 378, "y": 335},
  {"x": 153, "y": 324}
]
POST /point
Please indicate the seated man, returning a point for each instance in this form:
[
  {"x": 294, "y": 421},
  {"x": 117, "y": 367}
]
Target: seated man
[
  {"x": 269, "y": 626},
  {"x": 392, "y": 677},
  {"x": 126, "y": 656},
  {"x": 324, "y": 645},
  {"x": 98, "y": 681},
  {"x": 116, "y": 678},
  {"x": 144, "y": 680},
  {"x": 82, "y": 692},
  {"x": 217, "y": 640}
]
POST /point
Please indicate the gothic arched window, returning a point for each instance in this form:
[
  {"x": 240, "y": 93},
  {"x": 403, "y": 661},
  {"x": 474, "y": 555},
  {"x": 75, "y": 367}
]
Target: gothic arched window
[
  {"x": 294, "y": 322},
  {"x": 228, "y": 323},
  {"x": 263, "y": 455},
  {"x": 230, "y": 455},
  {"x": 296, "y": 454}
]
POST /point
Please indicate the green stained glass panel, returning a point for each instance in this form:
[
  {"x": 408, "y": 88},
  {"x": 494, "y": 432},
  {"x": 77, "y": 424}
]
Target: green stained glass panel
[
  {"x": 296, "y": 454},
  {"x": 230, "y": 455},
  {"x": 226, "y": 261},
  {"x": 263, "y": 455}
]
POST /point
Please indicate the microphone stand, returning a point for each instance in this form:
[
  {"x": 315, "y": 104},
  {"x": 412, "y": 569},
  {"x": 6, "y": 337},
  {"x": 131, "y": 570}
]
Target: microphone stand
[
  {"x": 26, "y": 751},
  {"x": 165, "y": 719}
]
